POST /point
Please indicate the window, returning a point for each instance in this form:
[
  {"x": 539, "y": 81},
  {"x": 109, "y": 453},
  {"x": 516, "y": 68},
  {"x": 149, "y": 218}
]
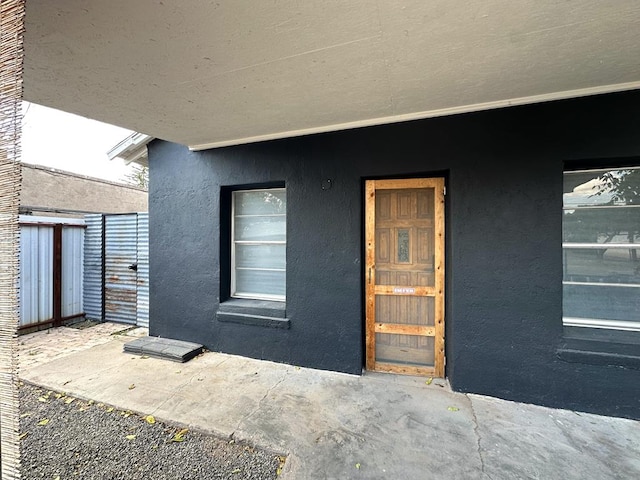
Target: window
[
  {"x": 601, "y": 249},
  {"x": 258, "y": 244}
]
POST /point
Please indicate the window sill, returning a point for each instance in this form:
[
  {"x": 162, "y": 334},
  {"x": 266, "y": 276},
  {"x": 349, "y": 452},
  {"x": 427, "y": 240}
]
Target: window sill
[
  {"x": 260, "y": 313},
  {"x": 592, "y": 346}
]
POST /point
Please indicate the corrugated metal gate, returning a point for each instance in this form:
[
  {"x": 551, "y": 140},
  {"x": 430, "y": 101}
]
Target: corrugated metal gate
[
  {"x": 51, "y": 270},
  {"x": 117, "y": 268}
]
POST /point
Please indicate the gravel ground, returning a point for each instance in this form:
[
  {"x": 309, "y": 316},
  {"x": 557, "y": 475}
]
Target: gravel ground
[{"x": 67, "y": 438}]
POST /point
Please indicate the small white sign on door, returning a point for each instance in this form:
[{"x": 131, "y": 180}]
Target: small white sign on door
[{"x": 404, "y": 290}]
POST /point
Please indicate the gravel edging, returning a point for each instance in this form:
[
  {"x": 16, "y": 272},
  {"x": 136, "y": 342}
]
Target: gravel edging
[{"x": 63, "y": 437}]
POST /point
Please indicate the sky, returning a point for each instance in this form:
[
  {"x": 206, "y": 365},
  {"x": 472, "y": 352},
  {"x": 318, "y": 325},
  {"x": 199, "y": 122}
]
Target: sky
[{"x": 69, "y": 142}]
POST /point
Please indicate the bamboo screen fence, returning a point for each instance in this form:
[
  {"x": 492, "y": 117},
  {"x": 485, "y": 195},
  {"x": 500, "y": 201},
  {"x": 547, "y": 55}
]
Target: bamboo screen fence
[{"x": 11, "y": 63}]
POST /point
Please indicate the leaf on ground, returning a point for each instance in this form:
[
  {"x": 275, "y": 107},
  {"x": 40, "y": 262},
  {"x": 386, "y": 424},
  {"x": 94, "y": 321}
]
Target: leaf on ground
[
  {"x": 90, "y": 402},
  {"x": 179, "y": 436},
  {"x": 43, "y": 422},
  {"x": 130, "y": 437},
  {"x": 358, "y": 466},
  {"x": 453, "y": 409},
  {"x": 43, "y": 399},
  {"x": 57, "y": 477},
  {"x": 58, "y": 395},
  {"x": 27, "y": 414},
  {"x": 144, "y": 357},
  {"x": 132, "y": 386},
  {"x": 150, "y": 419},
  {"x": 236, "y": 470},
  {"x": 23, "y": 436},
  {"x": 429, "y": 380},
  {"x": 110, "y": 409},
  {"x": 69, "y": 400},
  {"x": 126, "y": 414}
]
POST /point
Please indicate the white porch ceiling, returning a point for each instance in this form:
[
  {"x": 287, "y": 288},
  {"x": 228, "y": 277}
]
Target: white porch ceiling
[{"x": 214, "y": 73}]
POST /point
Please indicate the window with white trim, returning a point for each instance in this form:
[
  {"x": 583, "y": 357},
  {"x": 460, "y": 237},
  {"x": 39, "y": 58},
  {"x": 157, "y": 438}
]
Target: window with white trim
[
  {"x": 258, "y": 244},
  {"x": 601, "y": 248}
]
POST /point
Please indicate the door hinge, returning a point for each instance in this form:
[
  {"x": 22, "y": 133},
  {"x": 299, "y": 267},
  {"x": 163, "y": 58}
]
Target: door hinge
[{"x": 444, "y": 190}]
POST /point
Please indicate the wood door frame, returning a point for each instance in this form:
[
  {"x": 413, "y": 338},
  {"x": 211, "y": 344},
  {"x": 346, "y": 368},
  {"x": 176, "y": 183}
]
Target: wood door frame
[{"x": 437, "y": 183}]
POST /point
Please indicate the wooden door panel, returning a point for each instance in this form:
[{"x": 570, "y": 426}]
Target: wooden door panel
[
  {"x": 405, "y": 275},
  {"x": 383, "y": 207},
  {"x": 425, "y": 204},
  {"x": 404, "y": 205},
  {"x": 384, "y": 246},
  {"x": 404, "y": 309},
  {"x": 424, "y": 246},
  {"x": 405, "y": 350}
]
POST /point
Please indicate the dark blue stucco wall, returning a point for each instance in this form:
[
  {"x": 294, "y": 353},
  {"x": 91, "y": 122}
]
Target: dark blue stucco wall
[{"x": 503, "y": 224}]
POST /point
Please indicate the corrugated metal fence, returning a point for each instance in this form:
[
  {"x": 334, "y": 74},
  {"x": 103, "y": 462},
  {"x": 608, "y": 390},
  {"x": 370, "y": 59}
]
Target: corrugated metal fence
[
  {"x": 117, "y": 268},
  {"x": 96, "y": 267},
  {"x": 142, "y": 309},
  {"x": 93, "y": 267},
  {"x": 51, "y": 270}
]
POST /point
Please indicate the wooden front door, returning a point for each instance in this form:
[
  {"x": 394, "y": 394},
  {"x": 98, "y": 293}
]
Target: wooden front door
[{"x": 405, "y": 276}]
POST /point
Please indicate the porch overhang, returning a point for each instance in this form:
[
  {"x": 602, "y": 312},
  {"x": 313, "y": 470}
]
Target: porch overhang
[{"x": 229, "y": 72}]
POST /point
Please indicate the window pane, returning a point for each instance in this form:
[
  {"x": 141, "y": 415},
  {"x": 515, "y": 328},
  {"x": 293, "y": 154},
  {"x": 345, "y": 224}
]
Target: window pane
[
  {"x": 602, "y": 265},
  {"x": 403, "y": 246},
  {"x": 261, "y": 202},
  {"x": 263, "y": 229},
  {"x": 601, "y": 207},
  {"x": 260, "y": 283},
  {"x": 601, "y": 302},
  {"x": 260, "y": 256},
  {"x": 602, "y": 187},
  {"x": 612, "y": 224}
]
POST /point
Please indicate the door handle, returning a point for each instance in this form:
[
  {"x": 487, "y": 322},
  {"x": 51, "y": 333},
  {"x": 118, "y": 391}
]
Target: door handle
[{"x": 133, "y": 266}]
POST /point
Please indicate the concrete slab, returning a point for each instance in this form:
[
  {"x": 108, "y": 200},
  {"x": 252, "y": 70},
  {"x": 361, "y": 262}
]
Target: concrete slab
[
  {"x": 588, "y": 446},
  {"x": 336, "y": 426},
  {"x": 46, "y": 345}
]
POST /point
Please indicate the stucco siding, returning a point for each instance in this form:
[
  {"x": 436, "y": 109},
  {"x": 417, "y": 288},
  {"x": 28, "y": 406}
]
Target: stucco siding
[
  {"x": 44, "y": 187},
  {"x": 503, "y": 171}
]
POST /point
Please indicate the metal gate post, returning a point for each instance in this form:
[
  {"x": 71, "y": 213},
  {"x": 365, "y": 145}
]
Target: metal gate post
[{"x": 57, "y": 275}]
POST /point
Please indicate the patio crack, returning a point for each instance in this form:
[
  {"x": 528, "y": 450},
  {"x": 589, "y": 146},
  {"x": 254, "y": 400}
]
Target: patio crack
[
  {"x": 257, "y": 407},
  {"x": 476, "y": 431}
]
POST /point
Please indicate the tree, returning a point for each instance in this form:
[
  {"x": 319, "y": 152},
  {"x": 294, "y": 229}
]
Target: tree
[
  {"x": 623, "y": 185},
  {"x": 138, "y": 176}
]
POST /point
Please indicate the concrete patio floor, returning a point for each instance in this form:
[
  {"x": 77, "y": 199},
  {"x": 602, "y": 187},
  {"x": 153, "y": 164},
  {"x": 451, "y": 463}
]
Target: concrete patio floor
[{"x": 337, "y": 426}]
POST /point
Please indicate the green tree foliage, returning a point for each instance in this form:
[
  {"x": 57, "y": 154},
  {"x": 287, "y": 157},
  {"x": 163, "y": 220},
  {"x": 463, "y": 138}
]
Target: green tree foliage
[{"x": 138, "y": 176}]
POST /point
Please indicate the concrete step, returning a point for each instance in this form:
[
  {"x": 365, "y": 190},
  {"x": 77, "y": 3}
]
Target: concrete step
[{"x": 167, "y": 348}]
